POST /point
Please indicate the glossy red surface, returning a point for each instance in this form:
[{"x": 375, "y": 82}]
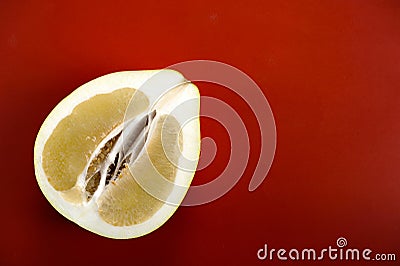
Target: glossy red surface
[{"x": 330, "y": 71}]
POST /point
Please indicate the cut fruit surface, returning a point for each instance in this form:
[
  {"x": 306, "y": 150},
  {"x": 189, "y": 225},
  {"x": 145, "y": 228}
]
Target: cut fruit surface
[{"x": 117, "y": 155}]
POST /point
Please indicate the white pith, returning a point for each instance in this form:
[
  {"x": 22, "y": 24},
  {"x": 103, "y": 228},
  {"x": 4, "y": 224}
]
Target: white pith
[{"x": 86, "y": 214}]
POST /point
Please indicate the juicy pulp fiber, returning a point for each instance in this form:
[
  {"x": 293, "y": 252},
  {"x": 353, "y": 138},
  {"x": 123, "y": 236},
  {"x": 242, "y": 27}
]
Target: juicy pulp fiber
[
  {"x": 125, "y": 202},
  {"x": 76, "y": 136}
]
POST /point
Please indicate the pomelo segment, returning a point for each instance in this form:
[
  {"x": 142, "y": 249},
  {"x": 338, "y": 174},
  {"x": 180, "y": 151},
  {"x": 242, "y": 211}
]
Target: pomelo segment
[
  {"x": 117, "y": 155},
  {"x": 125, "y": 202},
  {"x": 76, "y": 136}
]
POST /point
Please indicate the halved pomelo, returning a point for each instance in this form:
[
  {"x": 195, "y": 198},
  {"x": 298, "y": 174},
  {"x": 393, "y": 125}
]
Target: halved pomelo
[{"x": 117, "y": 155}]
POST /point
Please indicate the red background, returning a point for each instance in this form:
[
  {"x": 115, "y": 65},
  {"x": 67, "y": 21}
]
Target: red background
[{"x": 331, "y": 73}]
